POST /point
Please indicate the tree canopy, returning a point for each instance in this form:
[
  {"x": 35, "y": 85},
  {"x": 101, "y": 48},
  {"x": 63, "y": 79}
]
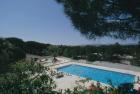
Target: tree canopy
[
  {"x": 9, "y": 53},
  {"x": 98, "y": 18},
  {"x": 27, "y": 78}
]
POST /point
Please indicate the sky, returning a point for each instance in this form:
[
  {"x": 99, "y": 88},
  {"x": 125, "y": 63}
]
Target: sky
[{"x": 43, "y": 21}]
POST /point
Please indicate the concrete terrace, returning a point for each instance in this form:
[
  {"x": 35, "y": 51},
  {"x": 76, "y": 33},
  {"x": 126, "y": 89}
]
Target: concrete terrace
[{"x": 69, "y": 81}]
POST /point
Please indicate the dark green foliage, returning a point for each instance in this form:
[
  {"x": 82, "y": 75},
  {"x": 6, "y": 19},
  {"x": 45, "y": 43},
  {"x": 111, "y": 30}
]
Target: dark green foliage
[
  {"x": 9, "y": 54},
  {"x": 35, "y": 48},
  {"x": 84, "y": 91},
  {"x": 136, "y": 61},
  {"x": 97, "y": 18},
  {"x": 126, "y": 88},
  {"x": 93, "y": 57},
  {"x": 26, "y": 78},
  {"x": 17, "y": 42}
]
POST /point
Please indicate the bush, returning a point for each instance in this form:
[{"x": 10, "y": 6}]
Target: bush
[
  {"x": 93, "y": 57},
  {"x": 27, "y": 78},
  {"x": 135, "y": 62}
]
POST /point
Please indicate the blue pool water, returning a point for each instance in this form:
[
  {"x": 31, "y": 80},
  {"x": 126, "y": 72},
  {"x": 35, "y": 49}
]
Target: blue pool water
[{"x": 103, "y": 76}]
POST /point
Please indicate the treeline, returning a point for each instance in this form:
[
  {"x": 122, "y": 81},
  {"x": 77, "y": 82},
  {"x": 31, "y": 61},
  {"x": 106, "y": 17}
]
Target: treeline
[
  {"x": 106, "y": 51},
  {"x": 9, "y": 54},
  {"x": 13, "y": 49},
  {"x": 113, "y": 53}
]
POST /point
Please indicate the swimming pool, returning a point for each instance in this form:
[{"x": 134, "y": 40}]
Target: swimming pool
[{"x": 104, "y": 76}]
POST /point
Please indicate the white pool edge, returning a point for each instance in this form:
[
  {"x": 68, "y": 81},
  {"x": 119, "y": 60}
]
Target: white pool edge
[{"x": 136, "y": 74}]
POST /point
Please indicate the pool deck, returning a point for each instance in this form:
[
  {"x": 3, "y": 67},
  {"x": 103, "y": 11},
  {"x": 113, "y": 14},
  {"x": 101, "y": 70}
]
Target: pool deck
[{"x": 68, "y": 82}]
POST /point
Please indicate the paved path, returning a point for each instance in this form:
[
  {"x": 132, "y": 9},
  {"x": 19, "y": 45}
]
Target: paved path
[{"x": 117, "y": 65}]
